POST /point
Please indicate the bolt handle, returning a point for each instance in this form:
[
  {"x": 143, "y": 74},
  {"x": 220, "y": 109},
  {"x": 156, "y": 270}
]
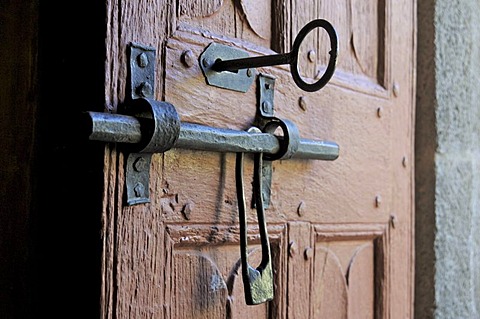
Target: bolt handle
[
  {"x": 257, "y": 282},
  {"x": 290, "y": 58}
]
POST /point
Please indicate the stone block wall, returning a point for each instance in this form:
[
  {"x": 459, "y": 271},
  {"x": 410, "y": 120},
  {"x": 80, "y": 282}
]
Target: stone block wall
[{"x": 448, "y": 160}]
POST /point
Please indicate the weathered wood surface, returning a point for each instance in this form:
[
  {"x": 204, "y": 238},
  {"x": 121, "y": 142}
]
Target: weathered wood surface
[{"x": 162, "y": 259}]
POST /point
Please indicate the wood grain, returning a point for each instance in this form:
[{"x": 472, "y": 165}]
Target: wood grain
[
  {"x": 215, "y": 250},
  {"x": 134, "y": 248},
  {"x": 329, "y": 293},
  {"x": 361, "y": 281},
  {"x": 300, "y": 271}
]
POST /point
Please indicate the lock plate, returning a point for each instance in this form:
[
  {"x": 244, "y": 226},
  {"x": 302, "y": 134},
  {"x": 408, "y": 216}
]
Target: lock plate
[
  {"x": 265, "y": 111},
  {"x": 141, "y": 72},
  {"x": 240, "y": 80},
  {"x": 138, "y": 178}
]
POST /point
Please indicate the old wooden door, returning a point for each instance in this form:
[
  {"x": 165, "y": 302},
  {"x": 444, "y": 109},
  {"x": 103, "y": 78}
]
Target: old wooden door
[{"x": 341, "y": 231}]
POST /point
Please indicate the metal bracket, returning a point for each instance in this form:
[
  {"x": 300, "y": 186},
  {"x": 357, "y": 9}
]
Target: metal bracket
[
  {"x": 138, "y": 178},
  {"x": 141, "y": 71},
  {"x": 265, "y": 111},
  {"x": 240, "y": 80}
]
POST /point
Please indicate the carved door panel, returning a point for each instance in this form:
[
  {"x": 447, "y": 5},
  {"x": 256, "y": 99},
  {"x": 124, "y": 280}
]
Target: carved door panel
[{"x": 341, "y": 232}]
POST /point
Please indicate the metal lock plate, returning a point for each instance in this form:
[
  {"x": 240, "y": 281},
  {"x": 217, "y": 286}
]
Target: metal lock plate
[
  {"x": 240, "y": 80},
  {"x": 141, "y": 71},
  {"x": 266, "y": 89},
  {"x": 138, "y": 178}
]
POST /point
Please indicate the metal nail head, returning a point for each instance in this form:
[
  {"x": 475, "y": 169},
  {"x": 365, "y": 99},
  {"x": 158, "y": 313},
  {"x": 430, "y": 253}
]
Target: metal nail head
[
  {"x": 301, "y": 208},
  {"x": 142, "y": 60},
  {"x": 145, "y": 89},
  {"x": 308, "y": 253},
  {"x": 378, "y": 200},
  {"x": 302, "y": 102},
  {"x": 139, "y": 190},
  {"x": 140, "y": 164},
  {"x": 292, "y": 249},
  {"x": 312, "y": 56},
  {"x": 188, "y": 58}
]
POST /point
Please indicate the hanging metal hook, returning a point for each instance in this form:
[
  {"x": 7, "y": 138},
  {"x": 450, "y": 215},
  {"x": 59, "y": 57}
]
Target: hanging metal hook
[{"x": 257, "y": 282}]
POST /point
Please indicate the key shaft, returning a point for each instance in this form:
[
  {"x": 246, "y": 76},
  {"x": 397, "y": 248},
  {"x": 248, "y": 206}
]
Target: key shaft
[{"x": 254, "y": 62}]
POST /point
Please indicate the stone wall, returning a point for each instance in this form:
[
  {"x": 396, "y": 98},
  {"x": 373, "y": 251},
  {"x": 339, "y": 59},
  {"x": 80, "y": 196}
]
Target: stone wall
[{"x": 448, "y": 160}]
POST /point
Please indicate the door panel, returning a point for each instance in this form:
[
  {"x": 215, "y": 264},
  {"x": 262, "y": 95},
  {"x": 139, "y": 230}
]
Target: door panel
[
  {"x": 344, "y": 116},
  {"x": 299, "y": 270},
  {"x": 206, "y": 271},
  {"x": 340, "y": 231},
  {"x": 330, "y": 292},
  {"x": 346, "y": 271}
]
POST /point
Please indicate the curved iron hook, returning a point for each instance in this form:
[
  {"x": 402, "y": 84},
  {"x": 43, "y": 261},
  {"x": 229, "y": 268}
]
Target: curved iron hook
[{"x": 257, "y": 282}]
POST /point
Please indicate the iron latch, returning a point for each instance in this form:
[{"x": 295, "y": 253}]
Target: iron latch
[
  {"x": 149, "y": 126},
  {"x": 159, "y": 129}
]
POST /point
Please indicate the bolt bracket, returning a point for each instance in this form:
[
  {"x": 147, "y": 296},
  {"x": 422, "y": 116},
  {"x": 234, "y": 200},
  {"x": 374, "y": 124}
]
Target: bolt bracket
[
  {"x": 265, "y": 112},
  {"x": 141, "y": 74},
  {"x": 138, "y": 178},
  {"x": 141, "y": 71}
]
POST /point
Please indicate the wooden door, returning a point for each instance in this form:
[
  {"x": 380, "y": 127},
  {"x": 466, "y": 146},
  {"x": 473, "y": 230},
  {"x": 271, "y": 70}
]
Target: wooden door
[{"x": 341, "y": 231}]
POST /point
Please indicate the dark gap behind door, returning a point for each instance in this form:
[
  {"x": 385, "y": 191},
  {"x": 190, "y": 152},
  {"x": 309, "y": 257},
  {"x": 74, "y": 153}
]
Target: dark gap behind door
[{"x": 66, "y": 225}]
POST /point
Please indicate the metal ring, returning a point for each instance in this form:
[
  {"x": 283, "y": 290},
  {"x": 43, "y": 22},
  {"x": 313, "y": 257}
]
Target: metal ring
[
  {"x": 159, "y": 124},
  {"x": 312, "y": 87},
  {"x": 290, "y": 141}
]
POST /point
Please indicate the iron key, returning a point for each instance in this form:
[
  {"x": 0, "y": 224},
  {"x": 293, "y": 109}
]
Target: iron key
[{"x": 290, "y": 58}]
